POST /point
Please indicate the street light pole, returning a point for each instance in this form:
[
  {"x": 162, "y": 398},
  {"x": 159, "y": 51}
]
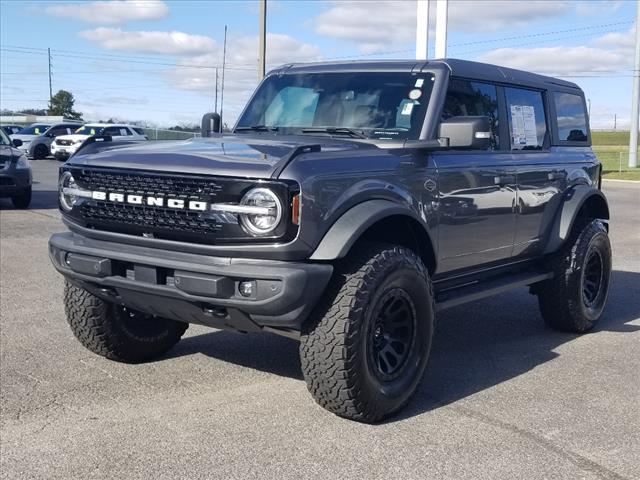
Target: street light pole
[
  {"x": 442, "y": 7},
  {"x": 635, "y": 105},
  {"x": 422, "y": 30},
  {"x": 263, "y": 40}
]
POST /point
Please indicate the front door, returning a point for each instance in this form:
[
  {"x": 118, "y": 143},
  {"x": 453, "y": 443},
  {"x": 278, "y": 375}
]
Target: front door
[{"x": 477, "y": 190}]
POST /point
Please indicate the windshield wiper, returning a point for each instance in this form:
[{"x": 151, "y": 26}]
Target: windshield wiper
[
  {"x": 335, "y": 131},
  {"x": 257, "y": 128}
]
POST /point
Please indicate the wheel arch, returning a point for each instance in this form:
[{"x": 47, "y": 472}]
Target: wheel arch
[
  {"x": 580, "y": 201},
  {"x": 377, "y": 220}
]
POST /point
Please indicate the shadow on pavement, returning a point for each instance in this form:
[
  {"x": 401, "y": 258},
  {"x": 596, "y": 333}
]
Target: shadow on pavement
[
  {"x": 474, "y": 348},
  {"x": 40, "y": 199}
]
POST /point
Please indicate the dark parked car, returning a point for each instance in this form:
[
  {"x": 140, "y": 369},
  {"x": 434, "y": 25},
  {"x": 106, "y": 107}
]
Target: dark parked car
[
  {"x": 15, "y": 172},
  {"x": 351, "y": 203},
  {"x": 10, "y": 129},
  {"x": 40, "y": 147}
]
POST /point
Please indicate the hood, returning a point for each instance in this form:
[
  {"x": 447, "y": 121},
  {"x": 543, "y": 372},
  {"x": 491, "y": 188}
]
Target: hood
[
  {"x": 24, "y": 138},
  {"x": 240, "y": 155},
  {"x": 74, "y": 137}
]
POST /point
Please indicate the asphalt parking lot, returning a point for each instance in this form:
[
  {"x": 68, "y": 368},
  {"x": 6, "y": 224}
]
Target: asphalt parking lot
[{"x": 503, "y": 396}]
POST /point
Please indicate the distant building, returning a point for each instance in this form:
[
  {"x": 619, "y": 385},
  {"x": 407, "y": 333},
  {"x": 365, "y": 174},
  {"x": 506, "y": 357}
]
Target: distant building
[{"x": 29, "y": 119}]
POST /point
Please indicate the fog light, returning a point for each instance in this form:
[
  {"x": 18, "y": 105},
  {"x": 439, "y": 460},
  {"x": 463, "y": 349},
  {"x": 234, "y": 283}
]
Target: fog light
[{"x": 246, "y": 288}]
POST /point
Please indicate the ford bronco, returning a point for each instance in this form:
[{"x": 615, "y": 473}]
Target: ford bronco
[{"x": 350, "y": 203}]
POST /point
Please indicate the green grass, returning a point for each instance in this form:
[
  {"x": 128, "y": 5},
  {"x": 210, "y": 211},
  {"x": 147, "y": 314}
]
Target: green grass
[{"x": 611, "y": 148}]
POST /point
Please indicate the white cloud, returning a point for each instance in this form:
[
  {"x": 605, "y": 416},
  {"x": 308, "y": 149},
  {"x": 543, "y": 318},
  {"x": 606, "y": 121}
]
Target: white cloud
[
  {"x": 168, "y": 43},
  {"x": 110, "y": 12},
  {"x": 624, "y": 41},
  {"x": 386, "y": 24},
  {"x": 241, "y": 75},
  {"x": 559, "y": 61}
]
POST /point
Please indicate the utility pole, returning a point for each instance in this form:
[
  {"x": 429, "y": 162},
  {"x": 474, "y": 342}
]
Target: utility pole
[
  {"x": 224, "y": 63},
  {"x": 215, "y": 109},
  {"x": 50, "y": 89},
  {"x": 635, "y": 103},
  {"x": 442, "y": 7},
  {"x": 262, "y": 54},
  {"x": 615, "y": 121},
  {"x": 422, "y": 30}
]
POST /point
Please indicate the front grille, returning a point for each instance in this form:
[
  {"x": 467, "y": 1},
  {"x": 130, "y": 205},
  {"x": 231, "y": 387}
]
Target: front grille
[
  {"x": 6, "y": 181},
  {"x": 163, "y": 222},
  {"x": 64, "y": 142}
]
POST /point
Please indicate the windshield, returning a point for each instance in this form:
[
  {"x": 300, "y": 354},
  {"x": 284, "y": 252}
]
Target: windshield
[
  {"x": 381, "y": 105},
  {"x": 4, "y": 140},
  {"x": 38, "y": 129},
  {"x": 90, "y": 130}
]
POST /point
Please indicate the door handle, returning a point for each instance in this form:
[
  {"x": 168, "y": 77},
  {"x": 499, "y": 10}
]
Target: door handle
[{"x": 504, "y": 179}]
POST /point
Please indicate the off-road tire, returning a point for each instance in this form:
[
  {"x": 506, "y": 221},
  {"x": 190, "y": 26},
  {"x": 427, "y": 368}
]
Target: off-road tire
[
  {"x": 334, "y": 349},
  {"x": 116, "y": 333},
  {"x": 562, "y": 300},
  {"x": 23, "y": 200},
  {"x": 40, "y": 152}
]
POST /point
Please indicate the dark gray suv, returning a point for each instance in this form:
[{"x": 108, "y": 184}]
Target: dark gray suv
[{"x": 350, "y": 204}]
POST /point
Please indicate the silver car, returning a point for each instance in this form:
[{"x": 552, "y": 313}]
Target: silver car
[{"x": 40, "y": 146}]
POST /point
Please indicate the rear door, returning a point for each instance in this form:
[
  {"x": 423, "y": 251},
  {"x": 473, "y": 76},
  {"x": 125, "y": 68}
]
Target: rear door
[
  {"x": 477, "y": 189},
  {"x": 542, "y": 170}
]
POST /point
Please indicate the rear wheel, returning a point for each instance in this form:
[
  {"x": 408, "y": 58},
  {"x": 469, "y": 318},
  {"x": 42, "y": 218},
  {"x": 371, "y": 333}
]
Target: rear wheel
[
  {"x": 116, "y": 332},
  {"x": 41, "y": 151},
  {"x": 573, "y": 301},
  {"x": 365, "y": 351},
  {"x": 22, "y": 200}
]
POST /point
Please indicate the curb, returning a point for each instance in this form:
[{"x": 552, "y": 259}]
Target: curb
[{"x": 620, "y": 181}]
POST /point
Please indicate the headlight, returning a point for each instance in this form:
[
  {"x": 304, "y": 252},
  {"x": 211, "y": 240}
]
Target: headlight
[
  {"x": 23, "y": 162},
  {"x": 67, "y": 189},
  {"x": 268, "y": 219}
]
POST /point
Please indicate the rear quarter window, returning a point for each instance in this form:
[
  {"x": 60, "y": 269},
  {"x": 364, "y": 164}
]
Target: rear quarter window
[
  {"x": 527, "y": 119},
  {"x": 571, "y": 117}
]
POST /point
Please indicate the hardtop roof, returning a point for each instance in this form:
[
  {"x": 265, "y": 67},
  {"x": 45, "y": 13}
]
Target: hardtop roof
[{"x": 458, "y": 68}]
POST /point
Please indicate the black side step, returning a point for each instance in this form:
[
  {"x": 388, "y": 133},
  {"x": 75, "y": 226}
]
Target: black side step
[{"x": 469, "y": 292}]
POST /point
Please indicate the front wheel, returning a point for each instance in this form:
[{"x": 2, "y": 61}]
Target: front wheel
[
  {"x": 23, "y": 200},
  {"x": 116, "y": 332},
  {"x": 367, "y": 346},
  {"x": 573, "y": 300}
]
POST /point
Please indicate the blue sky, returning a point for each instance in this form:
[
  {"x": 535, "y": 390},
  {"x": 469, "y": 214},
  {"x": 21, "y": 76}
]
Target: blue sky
[{"x": 154, "y": 60}]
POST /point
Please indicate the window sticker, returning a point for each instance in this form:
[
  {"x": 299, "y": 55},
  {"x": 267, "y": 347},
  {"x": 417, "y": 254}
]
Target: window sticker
[
  {"x": 407, "y": 109},
  {"x": 415, "y": 94},
  {"x": 419, "y": 82},
  {"x": 523, "y": 125}
]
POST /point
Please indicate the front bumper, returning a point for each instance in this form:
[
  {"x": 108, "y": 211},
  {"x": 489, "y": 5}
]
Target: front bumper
[
  {"x": 190, "y": 287},
  {"x": 14, "y": 181}
]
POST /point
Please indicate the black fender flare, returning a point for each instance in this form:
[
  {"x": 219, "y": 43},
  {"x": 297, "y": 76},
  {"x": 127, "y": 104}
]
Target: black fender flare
[
  {"x": 575, "y": 198},
  {"x": 350, "y": 226}
]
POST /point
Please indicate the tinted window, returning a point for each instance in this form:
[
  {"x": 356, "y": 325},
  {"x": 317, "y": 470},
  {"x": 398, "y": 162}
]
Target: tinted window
[
  {"x": 115, "y": 131},
  {"x": 377, "y": 104},
  {"x": 55, "y": 131},
  {"x": 527, "y": 122},
  {"x": 465, "y": 98},
  {"x": 572, "y": 117},
  {"x": 36, "y": 129},
  {"x": 138, "y": 130}
]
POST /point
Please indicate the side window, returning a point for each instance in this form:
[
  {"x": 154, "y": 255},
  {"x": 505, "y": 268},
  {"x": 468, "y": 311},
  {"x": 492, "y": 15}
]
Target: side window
[
  {"x": 466, "y": 98},
  {"x": 571, "y": 117},
  {"x": 527, "y": 121},
  {"x": 139, "y": 131},
  {"x": 112, "y": 131},
  {"x": 55, "y": 131}
]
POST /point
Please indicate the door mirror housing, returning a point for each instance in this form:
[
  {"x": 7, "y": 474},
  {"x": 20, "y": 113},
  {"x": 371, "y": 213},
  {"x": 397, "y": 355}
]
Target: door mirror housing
[
  {"x": 16, "y": 142},
  {"x": 472, "y": 133},
  {"x": 210, "y": 124}
]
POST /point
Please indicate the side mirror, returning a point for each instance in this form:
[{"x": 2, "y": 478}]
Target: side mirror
[
  {"x": 466, "y": 132},
  {"x": 16, "y": 142},
  {"x": 210, "y": 124}
]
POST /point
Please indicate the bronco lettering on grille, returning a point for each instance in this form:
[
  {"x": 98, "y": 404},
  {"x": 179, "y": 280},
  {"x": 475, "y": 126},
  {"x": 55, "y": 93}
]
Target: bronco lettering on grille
[{"x": 176, "y": 203}]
